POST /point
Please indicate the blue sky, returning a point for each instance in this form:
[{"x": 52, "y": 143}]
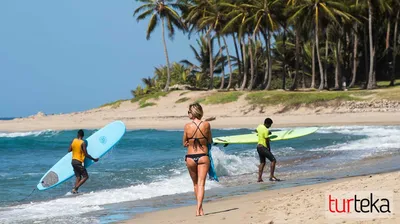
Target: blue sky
[{"x": 64, "y": 56}]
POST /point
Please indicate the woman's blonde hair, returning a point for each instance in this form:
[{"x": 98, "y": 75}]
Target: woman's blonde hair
[{"x": 196, "y": 110}]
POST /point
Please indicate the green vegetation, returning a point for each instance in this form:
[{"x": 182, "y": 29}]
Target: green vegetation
[
  {"x": 183, "y": 93},
  {"x": 387, "y": 83},
  {"x": 143, "y": 104},
  {"x": 142, "y": 99},
  {"x": 221, "y": 98},
  {"x": 389, "y": 94},
  {"x": 113, "y": 105},
  {"x": 294, "y": 99},
  {"x": 181, "y": 100},
  {"x": 154, "y": 95},
  {"x": 316, "y": 44}
]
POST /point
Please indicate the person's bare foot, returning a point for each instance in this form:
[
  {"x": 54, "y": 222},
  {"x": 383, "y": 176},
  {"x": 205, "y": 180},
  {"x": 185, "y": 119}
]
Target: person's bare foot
[
  {"x": 74, "y": 191},
  {"x": 260, "y": 180},
  {"x": 201, "y": 212},
  {"x": 274, "y": 179}
]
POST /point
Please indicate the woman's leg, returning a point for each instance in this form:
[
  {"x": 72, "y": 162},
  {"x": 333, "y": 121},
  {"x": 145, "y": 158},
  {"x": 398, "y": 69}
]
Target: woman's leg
[
  {"x": 202, "y": 170},
  {"x": 192, "y": 168}
]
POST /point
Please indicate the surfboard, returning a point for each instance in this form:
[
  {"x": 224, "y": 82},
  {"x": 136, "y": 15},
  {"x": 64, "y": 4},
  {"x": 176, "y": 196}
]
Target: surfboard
[
  {"x": 212, "y": 173},
  {"x": 98, "y": 144},
  {"x": 275, "y": 136}
]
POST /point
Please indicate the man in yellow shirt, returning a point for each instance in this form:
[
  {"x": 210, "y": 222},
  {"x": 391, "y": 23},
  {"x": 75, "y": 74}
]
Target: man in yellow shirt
[
  {"x": 264, "y": 150},
  {"x": 79, "y": 152}
]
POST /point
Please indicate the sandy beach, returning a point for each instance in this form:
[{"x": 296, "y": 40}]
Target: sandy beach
[
  {"x": 304, "y": 204},
  {"x": 167, "y": 114}
]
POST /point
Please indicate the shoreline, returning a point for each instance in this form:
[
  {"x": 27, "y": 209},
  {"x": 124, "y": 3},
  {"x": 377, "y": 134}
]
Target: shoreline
[
  {"x": 166, "y": 112},
  {"x": 85, "y": 121},
  {"x": 284, "y": 205}
]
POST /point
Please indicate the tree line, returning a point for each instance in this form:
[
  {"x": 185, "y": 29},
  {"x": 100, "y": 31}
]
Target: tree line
[{"x": 287, "y": 44}]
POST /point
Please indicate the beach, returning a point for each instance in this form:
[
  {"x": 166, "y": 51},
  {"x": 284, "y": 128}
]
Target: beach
[
  {"x": 167, "y": 114},
  {"x": 356, "y": 148},
  {"x": 304, "y": 204}
]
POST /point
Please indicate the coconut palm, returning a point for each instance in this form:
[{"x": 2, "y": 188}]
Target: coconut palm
[
  {"x": 202, "y": 56},
  {"x": 321, "y": 12},
  {"x": 165, "y": 11}
]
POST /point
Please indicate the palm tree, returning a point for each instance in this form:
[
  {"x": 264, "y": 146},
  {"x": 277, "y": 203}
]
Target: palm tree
[
  {"x": 396, "y": 7},
  {"x": 165, "y": 11},
  {"x": 202, "y": 56},
  {"x": 237, "y": 20},
  {"x": 265, "y": 21},
  {"x": 321, "y": 11}
]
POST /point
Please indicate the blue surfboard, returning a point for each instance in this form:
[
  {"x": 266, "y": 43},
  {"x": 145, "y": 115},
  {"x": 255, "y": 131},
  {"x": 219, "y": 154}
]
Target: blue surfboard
[
  {"x": 212, "y": 174},
  {"x": 98, "y": 144}
]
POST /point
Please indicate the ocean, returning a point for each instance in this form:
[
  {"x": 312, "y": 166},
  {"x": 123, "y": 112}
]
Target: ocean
[{"x": 146, "y": 170}]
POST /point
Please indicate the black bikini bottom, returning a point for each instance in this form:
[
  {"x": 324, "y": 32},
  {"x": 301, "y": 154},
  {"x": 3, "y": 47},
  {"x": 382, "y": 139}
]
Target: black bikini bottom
[{"x": 195, "y": 157}]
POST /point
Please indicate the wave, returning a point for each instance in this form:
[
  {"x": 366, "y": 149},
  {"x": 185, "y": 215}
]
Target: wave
[
  {"x": 46, "y": 133},
  {"x": 94, "y": 201},
  {"x": 232, "y": 165},
  {"x": 375, "y": 140}
]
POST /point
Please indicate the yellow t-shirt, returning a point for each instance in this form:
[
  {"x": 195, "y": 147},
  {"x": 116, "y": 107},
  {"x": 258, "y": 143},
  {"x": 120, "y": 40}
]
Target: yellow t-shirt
[
  {"x": 263, "y": 133},
  {"x": 77, "y": 152}
]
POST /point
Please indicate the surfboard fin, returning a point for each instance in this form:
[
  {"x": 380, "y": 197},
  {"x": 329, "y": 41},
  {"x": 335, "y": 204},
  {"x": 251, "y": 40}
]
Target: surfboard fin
[{"x": 226, "y": 145}]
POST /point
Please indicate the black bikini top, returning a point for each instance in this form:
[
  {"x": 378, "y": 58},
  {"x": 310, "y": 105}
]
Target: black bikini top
[{"x": 196, "y": 140}]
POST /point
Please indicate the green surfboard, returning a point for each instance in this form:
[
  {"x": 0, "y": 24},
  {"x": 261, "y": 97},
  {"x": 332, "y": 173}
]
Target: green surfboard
[{"x": 274, "y": 136}]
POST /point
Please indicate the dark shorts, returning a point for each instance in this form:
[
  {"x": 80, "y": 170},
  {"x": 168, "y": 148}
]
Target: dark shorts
[
  {"x": 79, "y": 170},
  {"x": 265, "y": 153}
]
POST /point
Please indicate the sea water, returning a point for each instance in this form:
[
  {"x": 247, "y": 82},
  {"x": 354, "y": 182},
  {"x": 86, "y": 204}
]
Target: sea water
[{"x": 146, "y": 170}]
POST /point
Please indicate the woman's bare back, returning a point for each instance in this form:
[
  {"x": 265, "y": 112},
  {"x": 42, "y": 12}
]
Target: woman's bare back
[{"x": 198, "y": 135}]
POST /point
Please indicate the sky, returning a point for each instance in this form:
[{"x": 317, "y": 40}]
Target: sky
[{"x": 66, "y": 56}]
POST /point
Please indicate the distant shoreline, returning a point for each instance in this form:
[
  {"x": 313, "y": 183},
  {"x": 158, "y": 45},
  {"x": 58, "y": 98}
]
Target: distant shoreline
[
  {"x": 160, "y": 123},
  {"x": 170, "y": 112}
]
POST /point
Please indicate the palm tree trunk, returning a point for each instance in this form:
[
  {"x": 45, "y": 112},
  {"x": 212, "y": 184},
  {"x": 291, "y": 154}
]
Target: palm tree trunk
[
  {"x": 284, "y": 58},
  {"x": 326, "y": 60},
  {"x": 294, "y": 86},
  {"x": 266, "y": 58},
  {"x": 321, "y": 69},
  {"x": 303, "y": 83},
  {"x": 223, "y": 64},
  {"x": 210, "y": 51},
  {"x": 387, "y": 47},
  {"x": 166, "y": 88},
  {"x": 394, "y": 52},
  {"x": 355, "y": 57},
  {"x": 366, "y": 53},
  {"x": 250, "y": 85},
  {"x": 337, "y": 69},
  {"x": 387, "y": 35},
  {"x": 312, "y": 86},
  {"x": 237, "y": 55},
  {"x": 229, "y": 63},
  {"x": 244, "y": 58},
  {"x": 371, "y": 80},
  {"x": 268, "y": 86}
]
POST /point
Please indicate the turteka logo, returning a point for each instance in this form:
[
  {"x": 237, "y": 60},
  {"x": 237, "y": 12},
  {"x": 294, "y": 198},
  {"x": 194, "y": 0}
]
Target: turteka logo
[{"x": 359, "y": 204}]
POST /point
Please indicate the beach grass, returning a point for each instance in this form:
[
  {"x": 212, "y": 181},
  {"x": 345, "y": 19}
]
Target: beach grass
[
  {"x": 389, "y": 94},
  {"x": 221, "y": 98},
  {"x": 145, "y": 97},
  {"x": 381, "y": 84},
  {"x": 113, "y": 105},
  {"x": 183, "y": 93},
  {"x": 183, "y": 99},
  {"x": 143, "y": 104},
  {"x": 270, "y": 98}
]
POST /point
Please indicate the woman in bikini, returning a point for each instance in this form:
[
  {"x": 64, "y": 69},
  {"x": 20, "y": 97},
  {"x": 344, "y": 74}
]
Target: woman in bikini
[{"x": 196, "y": 137}]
